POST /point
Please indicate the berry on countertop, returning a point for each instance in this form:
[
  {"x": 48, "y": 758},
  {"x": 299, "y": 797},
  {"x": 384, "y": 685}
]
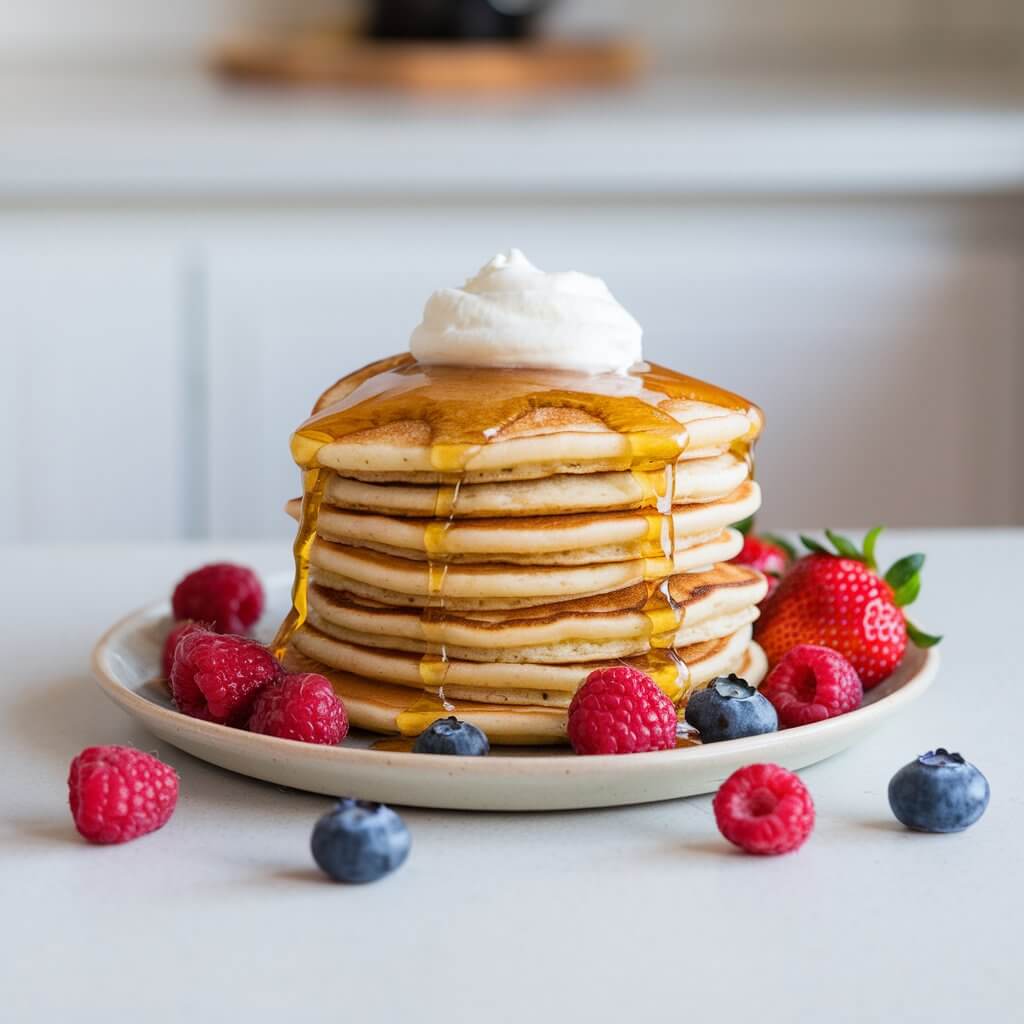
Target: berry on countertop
[
  {"x": 769, "y": 555},
  {"x": 764, "y": 809},
  {"x": 217, "y": 677},
  {"x": 300, "y": 707},
  {"x": 229, "y": 597},
  {"x": 728, "y": 709},
  {"x": 938, "y": 792},
  {"x": 621, "y": 710},
  {"x": 360, "y": 841},
  {"x": 118, "y": 793},
  {"x": 841, "y": 601},
  {"x": 180, "y": 630},
  {"x": 451, "y": 736},
  {"x": 811, "y": 684}
]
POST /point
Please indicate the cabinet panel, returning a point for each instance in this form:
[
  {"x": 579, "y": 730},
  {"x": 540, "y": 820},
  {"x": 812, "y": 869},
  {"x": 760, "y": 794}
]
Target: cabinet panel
[
  {"x": 883, "y": 345},
  {"x": 91, "y": 401}
]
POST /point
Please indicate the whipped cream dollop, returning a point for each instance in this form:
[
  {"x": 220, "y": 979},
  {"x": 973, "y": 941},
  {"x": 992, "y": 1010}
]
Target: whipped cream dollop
[{"x": 512, "y": 314}]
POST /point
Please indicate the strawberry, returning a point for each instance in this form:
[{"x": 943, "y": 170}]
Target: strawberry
[
  {"x": 840, "y": 601},
  {"x": 769, "y": 555}
]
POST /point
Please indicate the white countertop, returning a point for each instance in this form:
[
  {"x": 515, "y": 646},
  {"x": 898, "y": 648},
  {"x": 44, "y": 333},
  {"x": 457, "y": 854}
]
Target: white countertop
[
  {"x": 635, "y": 914},
  {"x": 180, "y": 134}
]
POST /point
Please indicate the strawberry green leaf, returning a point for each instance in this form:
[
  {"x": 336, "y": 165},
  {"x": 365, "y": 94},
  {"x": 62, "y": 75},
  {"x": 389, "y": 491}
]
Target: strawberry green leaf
[
  {"x": 919, "y": 638},
  {"x": 903, "y": 570},
  {"x": 812, "y": 545},
  {"x": 781, "y": 542},
  {"x": 845, "y": 547},
  {"x": 870, "y": 540},
  {"x": 907, "y": 594}
]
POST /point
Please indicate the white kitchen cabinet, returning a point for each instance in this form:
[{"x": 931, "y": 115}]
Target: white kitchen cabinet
[
  {"x": 883, "y": 342},
  {"x": 92, "y": 445}
]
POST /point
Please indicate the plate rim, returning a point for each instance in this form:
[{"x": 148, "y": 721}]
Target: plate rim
[{"x": 497, "y": 765}]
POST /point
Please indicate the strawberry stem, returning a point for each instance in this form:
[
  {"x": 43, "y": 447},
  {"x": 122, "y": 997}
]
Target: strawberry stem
[
  {"x": 870, "y": 540},
  {"x": 845, "y": 547},
  {"x": 812, "y": 545}
]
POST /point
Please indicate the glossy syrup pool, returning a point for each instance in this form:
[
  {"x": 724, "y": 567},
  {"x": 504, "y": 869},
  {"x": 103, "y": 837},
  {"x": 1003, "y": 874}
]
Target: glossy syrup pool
[{"x": 465, "y": 409}]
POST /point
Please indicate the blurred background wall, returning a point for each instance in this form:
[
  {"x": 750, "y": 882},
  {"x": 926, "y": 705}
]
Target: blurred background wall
[
  {"x": 704, "y": 31},
  {"x": 817, "y": 204}
]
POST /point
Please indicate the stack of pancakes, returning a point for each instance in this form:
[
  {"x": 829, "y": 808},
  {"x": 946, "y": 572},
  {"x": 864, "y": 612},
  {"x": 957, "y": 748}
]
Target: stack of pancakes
[{"x": 493, "y": 592}]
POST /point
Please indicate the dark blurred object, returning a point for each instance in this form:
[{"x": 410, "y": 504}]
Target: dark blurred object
[{"x": 454, "y": 19}]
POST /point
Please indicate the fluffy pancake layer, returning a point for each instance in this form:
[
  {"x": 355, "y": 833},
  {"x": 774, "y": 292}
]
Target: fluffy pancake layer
[
  {"x": 709, "y": 605},
  {"x": 694, "y": 480},
  {"x": 385, "y": 708},
  {"x": 400, "y": 581},
  {"x": 544, "y": 682},
  {"x": 577, "y": 539}
]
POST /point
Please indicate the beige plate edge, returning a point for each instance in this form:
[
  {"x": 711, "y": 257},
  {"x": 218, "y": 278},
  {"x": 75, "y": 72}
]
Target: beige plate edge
[{"x": 549, "y": 781}]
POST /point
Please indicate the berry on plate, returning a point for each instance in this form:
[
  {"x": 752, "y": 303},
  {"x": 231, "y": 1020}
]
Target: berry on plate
[
  {"x": 180, "y": 630},
  {"x": 811, "y": 684},
  {"x": 118, "y": 793},
  {"x": 359, "y": 841},
  {"x": 938, "y": 792},
  {"x": 769, "y": 555},
  {"x": 841, "y": 601},
  {"x": 300, "y": 707},
  {"x": 450, "y": 736},
  {"x": 228, "y": 597},
  {"x": 218, "y": 677},
  {"x": 621, "y": 710},
  {"x": 764, "y": 809},
  {"x": 728, "y": 709}
]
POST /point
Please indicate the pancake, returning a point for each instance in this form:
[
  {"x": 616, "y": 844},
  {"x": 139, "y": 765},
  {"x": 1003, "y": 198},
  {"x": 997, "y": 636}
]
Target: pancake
[
  {"x": 585, "y": 538},
  {"x": 538, "y": 422},
  {"x": 555, "y": 441},
  {"x": 554, "y": 652},
  {"x": 400, "y": 581},
  {"x": 697, "y": 480},
  {"x": 496, "y": 680},
  {"x": 710, "y": 604},
  {"x": 385, "y": 708}
]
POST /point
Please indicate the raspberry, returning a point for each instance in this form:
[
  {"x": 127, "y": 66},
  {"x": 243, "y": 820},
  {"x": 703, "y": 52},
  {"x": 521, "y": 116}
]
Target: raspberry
[
  {"x": 229, "y": 597},
  {"x": 621, "y": 710},
  {"x": 171, "y": 644},
  {"x": 117, "y": 793},
  {"x": 218, "y": 677},
  {"x": 300, "y": 707},
  {"x": 764, "y": 809},
  {"x": 811, "y": 684}
]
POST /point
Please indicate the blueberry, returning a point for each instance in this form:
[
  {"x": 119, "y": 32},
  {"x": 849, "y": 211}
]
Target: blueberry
[
  {"x": 938, "y": 792},
  {"x": 360, "y": 841},
  {"x": 728, "y": 709},
  {"x": 450, "y": 736}
]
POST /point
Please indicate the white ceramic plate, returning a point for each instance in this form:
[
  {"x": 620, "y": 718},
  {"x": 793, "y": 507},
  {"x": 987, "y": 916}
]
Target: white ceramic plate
[{"x": 126, "y": 662}]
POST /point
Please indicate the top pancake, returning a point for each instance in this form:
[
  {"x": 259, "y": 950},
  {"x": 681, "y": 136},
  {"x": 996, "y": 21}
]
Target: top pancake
[{"x": 537, "y": 423}]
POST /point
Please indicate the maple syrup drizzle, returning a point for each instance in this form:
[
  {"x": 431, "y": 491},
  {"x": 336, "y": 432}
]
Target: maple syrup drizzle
[
  {"x": 434, "y": 662},
  {"x": 464, "y": 409}
]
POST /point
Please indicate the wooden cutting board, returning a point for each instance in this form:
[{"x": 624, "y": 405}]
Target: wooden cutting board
[{"x": 335, "y": 58}]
